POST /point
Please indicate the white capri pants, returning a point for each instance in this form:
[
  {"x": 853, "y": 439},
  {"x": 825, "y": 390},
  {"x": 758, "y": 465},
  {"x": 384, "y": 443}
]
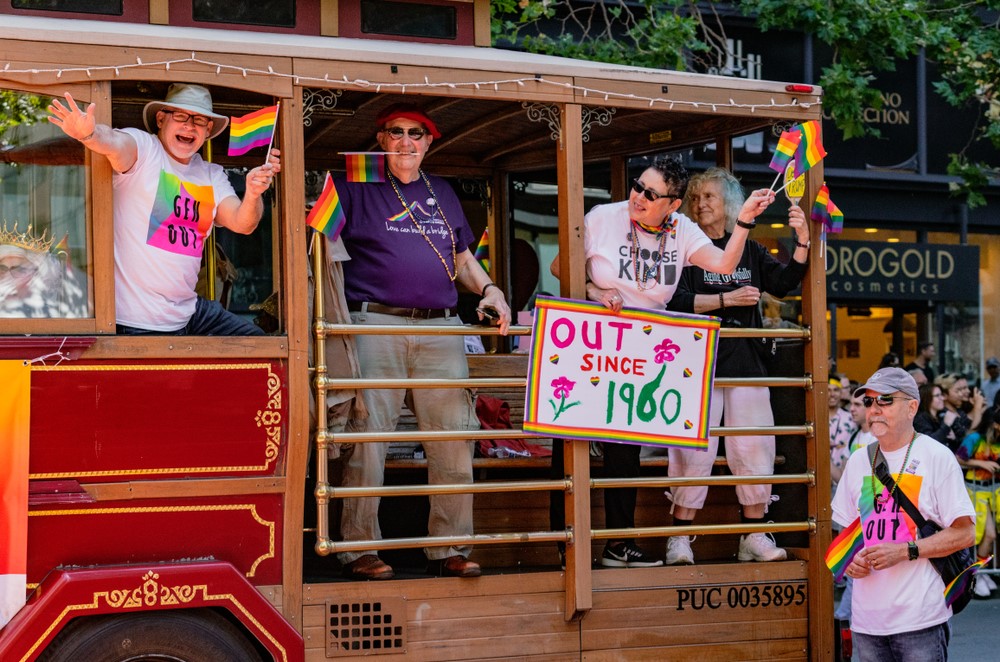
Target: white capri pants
[{"x": 746, "y": 455}]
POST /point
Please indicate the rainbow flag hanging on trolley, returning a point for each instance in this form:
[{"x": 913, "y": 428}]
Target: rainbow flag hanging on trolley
[
  {"x": 810, "y": 150},
  {"x": 365, "y": 167},
  {"x": 327, "y": 215},
  {"x": 825, "y": 211},
  {"x": 482, "y": 253},
  {"x": 253, "y": 130},
  {"x": 841, "y": 551},
  {"x": 788, "y": 143},
  {"x": 15, "y": 420}
]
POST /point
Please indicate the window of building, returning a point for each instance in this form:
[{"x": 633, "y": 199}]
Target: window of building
[
  {"x": 272, "y": 13},
  {"x": 406, "y": 19},
  {"x": 108, "y": 7},
  {"x": 45, "y": 269}
]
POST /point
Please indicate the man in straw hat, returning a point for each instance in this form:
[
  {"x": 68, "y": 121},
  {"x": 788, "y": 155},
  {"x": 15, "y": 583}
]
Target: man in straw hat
[
  {"x": 166, "y": 199},
  {"x": 898, "y": 610}
]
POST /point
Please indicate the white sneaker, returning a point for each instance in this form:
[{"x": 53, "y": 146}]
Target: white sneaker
[
  {"x": 679, "y": 551},
  {"x": 987, "y": 580},
  {"x": 980, "y": 590},
  {"x": 760, "y": 547}
]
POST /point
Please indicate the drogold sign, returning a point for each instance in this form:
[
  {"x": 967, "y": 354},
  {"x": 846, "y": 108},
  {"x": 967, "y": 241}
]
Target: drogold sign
[
  {"x": 873, "y": 271},
  {"x": 638, "y": 376}
]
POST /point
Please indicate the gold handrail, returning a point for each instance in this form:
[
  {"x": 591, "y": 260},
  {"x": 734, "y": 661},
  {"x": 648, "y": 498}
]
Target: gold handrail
[
  {"x": 806, "y": 430},
  {"x": 329, "y": 328},
  {"x": 334, "y": 384}
]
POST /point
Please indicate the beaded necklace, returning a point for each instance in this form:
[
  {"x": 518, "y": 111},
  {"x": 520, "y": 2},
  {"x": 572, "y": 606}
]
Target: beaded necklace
[
  {"x": 452, "y": 275},
  {"x": 661, "y": 233},
  {"x": 895, "y": 483}
]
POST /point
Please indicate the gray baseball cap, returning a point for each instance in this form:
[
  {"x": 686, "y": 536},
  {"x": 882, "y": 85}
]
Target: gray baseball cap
[{"x": 890, "y": 380}]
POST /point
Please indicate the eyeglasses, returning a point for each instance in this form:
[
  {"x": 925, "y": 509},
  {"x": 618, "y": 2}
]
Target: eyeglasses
[
  {"x": 398, "y": 132},
  {"x": 882, "y": 400},
  {"x": 17, "y": 270},
  {"x": 182, "y": 118},
  {"x": 650, "y": 194}
]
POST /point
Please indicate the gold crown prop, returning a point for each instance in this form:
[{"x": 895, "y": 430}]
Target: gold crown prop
[{"x": 26, "y": 239}]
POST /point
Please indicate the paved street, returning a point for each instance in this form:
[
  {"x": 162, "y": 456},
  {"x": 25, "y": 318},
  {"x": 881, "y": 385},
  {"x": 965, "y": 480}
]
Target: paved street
[{"x": 974, "y": 632}]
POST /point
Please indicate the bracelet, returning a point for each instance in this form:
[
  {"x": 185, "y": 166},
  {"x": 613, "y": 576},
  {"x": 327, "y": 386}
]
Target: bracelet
[
  {"x": 88, "y": 136},
  {"x": 486, "y": 287},
  {"x": 745, "y": 225},
  {"x": 722, "y": 302},
  {"x": 805, "y": 245}
]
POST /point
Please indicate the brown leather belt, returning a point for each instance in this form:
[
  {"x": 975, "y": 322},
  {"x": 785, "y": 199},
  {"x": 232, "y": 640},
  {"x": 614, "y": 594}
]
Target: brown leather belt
[{"x": 413, "y": 313}]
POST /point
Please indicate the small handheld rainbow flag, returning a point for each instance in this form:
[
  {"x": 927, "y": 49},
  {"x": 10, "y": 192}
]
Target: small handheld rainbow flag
[
  {"x": 957, "y": 585},
  {"x": 365, "y": 167},
  {"x": 810, "y": 149},
  {"x": 785, "y": 152},
  {"x": 843, "y": 548},
  {"x": 482, "y": 253},
  {"x": 825, "y": 211},
  {"x": 255, "y": 129},
  {"x": 327, "y": 215}
]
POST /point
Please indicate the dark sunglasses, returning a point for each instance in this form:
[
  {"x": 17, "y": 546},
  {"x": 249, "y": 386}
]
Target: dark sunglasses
[
  {"x": 882, "y": 400},
  {"x": 650, "y": 194},
  {"x": 398, "y": 132}
]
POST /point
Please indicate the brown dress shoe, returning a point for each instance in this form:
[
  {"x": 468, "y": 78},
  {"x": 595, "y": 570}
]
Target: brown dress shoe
[
  {"x": 459, "y": 566},
  {"x": 368, "y": 566}
]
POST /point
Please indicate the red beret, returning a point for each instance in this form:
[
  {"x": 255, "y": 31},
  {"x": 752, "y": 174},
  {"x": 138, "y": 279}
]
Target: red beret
[{"x": 409, "y": 112}]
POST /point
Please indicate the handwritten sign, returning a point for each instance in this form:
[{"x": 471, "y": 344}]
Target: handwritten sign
[{"x": 639, "y": 376}]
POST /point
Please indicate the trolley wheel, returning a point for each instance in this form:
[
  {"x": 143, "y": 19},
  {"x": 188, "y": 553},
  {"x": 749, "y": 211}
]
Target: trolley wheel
[{"x": 194, "y": 635}]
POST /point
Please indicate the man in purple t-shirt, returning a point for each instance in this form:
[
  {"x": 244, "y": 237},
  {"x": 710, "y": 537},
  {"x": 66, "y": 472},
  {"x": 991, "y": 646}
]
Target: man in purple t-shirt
[{"x": 409, "y": 244}]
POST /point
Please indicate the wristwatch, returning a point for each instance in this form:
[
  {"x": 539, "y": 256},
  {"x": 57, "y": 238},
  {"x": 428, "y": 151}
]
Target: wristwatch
[
  {"x": 913, "y": 550},
  {"x": 745, "y": 225}
]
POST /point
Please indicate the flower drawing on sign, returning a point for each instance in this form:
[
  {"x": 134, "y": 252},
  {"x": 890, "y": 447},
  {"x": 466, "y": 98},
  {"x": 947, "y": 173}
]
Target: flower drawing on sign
[
  {"x": 561, "y": 388},
  {"x": 666, "y": 351}
]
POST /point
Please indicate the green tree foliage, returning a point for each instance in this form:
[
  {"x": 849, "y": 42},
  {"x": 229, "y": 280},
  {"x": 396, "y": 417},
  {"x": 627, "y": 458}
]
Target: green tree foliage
[{"x": 865, "y": 37}]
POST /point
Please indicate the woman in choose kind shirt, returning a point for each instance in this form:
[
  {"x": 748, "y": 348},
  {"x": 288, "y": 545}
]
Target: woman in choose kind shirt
[{"x": 635, "y": 252}]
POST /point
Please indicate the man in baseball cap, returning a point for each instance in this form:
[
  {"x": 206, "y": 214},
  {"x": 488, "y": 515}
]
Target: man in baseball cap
[
  {"x": 166, "y": 200},
  {"x": 898, "y": 609}
]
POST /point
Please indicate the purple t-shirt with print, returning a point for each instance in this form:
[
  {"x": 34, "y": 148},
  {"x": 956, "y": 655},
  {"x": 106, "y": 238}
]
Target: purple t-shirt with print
[{"x": 391, "y": 262}]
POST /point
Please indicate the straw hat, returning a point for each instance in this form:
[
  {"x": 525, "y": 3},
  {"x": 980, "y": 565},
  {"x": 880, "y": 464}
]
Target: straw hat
[{"x": 192, "y": 98}]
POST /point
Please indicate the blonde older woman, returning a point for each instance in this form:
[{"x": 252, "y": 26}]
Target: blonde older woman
[{"x": 713, "y": 200}]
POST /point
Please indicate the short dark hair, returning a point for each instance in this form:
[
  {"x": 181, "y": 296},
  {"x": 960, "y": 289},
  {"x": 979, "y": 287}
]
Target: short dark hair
[
  {"x": 674, "y": 174},
  {"x": 924, "y": 345}
]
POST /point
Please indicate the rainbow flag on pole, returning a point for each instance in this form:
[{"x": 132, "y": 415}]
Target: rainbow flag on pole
[
  {"x": 15, "y": 416},
  {"x": 482, "y": 253},
  {"x": 810, "y": 150},
  {"x": 365, "y": 167},
  {"x": 843, "y": 548},
  {"x": 327, "y": 215},
  {"x": 785, "y": 152},
  {"x": 825, "y": 211},
  {"x": 253, "y": 130}
]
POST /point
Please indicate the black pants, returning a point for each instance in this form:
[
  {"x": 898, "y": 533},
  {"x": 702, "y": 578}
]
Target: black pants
[{"x": 620, "y": 461}]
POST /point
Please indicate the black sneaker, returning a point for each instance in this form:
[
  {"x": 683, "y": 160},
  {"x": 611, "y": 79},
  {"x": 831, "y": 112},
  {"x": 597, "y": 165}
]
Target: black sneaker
[{"x": 627, "y": 555}]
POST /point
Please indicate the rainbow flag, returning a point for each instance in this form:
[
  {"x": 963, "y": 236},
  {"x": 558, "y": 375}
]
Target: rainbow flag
[
  {"x": 836, "y": 217},
  {"x": 365, "y": 167},
  {"x": 15, "y": 416},
  {"x": 843, "y": 548},
  {"x": 810, "y": 150},
  {"x": 788, "y": 143},
  {"x": 327, "y": 215},
  {"x": 957, "y": 585},
  {"x": 482, "y": 253},
  {"x": 253, "y": 130}
]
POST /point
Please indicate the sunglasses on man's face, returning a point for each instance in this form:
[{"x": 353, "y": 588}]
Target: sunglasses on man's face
[
  {"x": 398, "y": 132},
  {"x": 181, "y": 117},
  {"x": 881, "y": 400},
  {"x": 650, "y": 194}
]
